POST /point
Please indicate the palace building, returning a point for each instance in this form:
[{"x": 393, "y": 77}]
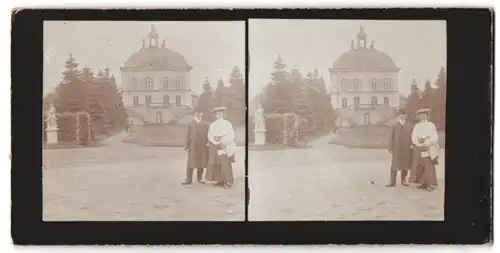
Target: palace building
[
  {"x": 364, "y": 86},
  {"x": 155, "y": 83}
]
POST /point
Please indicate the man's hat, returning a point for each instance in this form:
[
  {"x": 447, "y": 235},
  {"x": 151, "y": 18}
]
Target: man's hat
[
  {"x": 197, "y": 109},
  {"x": 423, "y": 111},
  {"x": 219, "y": 109}
]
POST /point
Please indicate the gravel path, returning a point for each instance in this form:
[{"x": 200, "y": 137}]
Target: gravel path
[
  {"x": 329, "y": 182},
  {"x": 127, "y": 182}
]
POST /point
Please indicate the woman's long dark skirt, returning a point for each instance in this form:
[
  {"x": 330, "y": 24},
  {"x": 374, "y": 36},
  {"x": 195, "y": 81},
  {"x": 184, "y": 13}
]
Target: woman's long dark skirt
[
  {"x": 220, "y": 168},
  {"x": 428, "y": 176},
  {"x": 416, "y": 171}
]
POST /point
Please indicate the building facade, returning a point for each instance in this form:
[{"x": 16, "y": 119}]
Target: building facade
[
  {"x": 155, "y": 82},
  {"x": 364, "y": 84}
]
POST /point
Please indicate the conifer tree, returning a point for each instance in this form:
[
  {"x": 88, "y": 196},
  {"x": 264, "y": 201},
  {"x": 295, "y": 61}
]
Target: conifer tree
[
  {"x": 296, "y": 79},
  {"x": 439, "y": 116},
  {"x": 304, "y": 104},
  {"x": 220, "y": 93},
  {"x": 279, "y": 96},
  {"x": 70, "y": 95},
  {"x": 414, "y": 102},
  {"x": 325, "y": 112},
  {"x": 428, "y": 96},
  {"x": 205, "y": 102},
  {"x": 236, "y": 97},
  {"x": 117, "y": 110}
]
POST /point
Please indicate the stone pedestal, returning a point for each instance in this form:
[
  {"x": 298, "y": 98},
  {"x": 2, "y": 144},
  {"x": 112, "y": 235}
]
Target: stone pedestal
[
  {"x": 259, "y": 137},
  {"x": 52, "y": 135}
]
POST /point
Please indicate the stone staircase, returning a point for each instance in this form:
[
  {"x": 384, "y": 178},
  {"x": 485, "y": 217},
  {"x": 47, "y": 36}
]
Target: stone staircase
[{"x": 356, "y": 116}]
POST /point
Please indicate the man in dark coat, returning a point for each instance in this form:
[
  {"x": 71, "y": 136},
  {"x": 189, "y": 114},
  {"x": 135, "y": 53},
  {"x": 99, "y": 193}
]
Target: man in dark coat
[
  {"x": 197, "y": 148},
  {"x": 400, "y": 146}
]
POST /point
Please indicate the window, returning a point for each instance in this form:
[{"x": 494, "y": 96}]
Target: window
[
  {"x": 148, "y": 81},
  {"x": 374, "y": 84},
  {"x": 165, "y": 83},
  {"x": 386, "y": 101},
  {"x": 136, "y": 100},
  {"x": 177, "y": 83},
  {"x": 159, "y": 120},
  {"x": 374, "y": 101},
  {"x": 166, "y": 99},
  {"x": 148, "y": 99},
  {"x": 344, "y": 102},
  {"x": 386, "y": 83},
  {"x": 356, "y": 101},
  {"x": 356, "y": 84},
  {"x": 178, "y": 100},
  {"x": 344, "y": 84},
  {"x": 134, "y": 83}
]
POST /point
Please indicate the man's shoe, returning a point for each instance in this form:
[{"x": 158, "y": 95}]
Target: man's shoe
[
  {"x": 390, "y": 185},
  {"x": 186, "y": 183}
]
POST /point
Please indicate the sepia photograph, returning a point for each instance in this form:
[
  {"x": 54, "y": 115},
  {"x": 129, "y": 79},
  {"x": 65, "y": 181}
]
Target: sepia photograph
[
  {"x": 346, "y": 119},
  {"x": 144, "y": 121}
]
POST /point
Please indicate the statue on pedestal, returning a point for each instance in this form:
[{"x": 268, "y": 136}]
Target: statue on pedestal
[
  {"x": 258, "y": 119},
  {"x": 52, "y": 118}
]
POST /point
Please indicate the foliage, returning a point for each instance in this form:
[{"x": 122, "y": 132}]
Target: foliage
[
  {"x": 432, "y": 98},
  {"x": 205, "y": 102},
  {"x": 221, "y": 94},
  {"x": 70, "y": 92},
  {"x": 82, "y": 128},
  {"x": 304, "y": 96},
  {"x": 236, "y": 93},
  {"x": 81, "y": 92},
  {"x": 279, "y": 94},
  {"x": 439, "y": 108},
  {"x": 291, "y": 129}
]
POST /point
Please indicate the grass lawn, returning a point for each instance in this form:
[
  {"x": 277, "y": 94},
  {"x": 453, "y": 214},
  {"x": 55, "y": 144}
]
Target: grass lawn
[
  {"x": 274, "y": 146},
  {"x": 369, "y": 137},
  {"x": 169, "y": 136},
  {"x": 70, "y": 145}
]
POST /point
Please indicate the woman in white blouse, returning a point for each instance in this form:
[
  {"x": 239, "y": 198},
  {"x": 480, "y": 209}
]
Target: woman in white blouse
[
  {"x": 425, "y": 140},
  {"x": 221, "y": 136}
]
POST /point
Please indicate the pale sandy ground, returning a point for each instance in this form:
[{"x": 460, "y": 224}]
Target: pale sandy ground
[
  {"x": 127, "y": 182},
  {"x": 329, "y": 182}
]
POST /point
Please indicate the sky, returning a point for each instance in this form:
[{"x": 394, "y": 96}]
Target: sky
[
  {"x": 212, "y": 48},
  {"x": 417, "y": 47}
]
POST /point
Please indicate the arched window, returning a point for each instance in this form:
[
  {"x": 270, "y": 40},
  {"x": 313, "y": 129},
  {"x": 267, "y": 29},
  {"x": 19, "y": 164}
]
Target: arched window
[
  {"x": 178, "y": 100},
  {"x": 374, "y": 84},
  {"x": 166, "y": 99},
  {"x": 374, "y": 101},
  {"x": 136, "y": 100},
  {"x": 386, "y": 101}
]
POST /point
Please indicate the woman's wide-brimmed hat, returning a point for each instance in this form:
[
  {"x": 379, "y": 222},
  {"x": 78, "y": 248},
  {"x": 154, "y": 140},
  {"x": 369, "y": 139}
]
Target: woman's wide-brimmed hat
[
  {"x": 423, "y": 111},
  {"x": 219, "y": 109}
]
